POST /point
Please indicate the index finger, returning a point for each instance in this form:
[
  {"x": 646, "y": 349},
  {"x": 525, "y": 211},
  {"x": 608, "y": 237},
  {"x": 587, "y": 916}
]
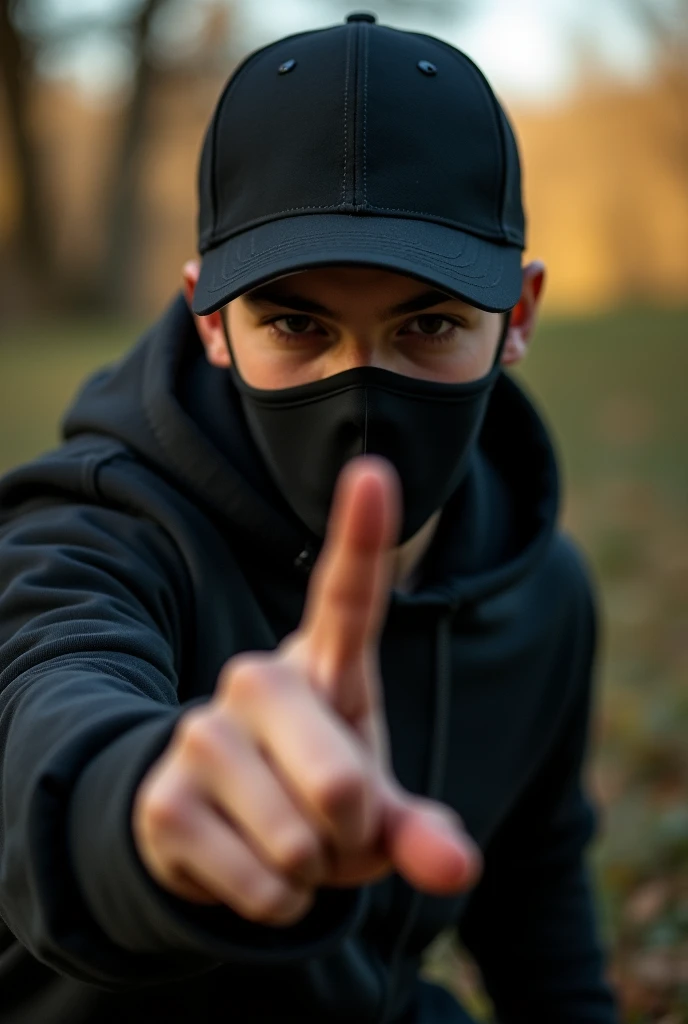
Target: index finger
[{"x": 349, "y": 589}]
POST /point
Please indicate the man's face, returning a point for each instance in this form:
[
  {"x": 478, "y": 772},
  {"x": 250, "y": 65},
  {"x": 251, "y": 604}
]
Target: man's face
[{"x": 316, "y": 323}]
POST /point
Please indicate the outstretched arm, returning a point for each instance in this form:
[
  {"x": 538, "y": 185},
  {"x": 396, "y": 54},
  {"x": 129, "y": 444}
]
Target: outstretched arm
[{"x": 91, "y": 611}]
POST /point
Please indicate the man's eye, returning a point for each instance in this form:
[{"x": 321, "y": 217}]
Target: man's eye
[
  {"x": 431, "y": 324},
  {"x": 297, "y": 324}
]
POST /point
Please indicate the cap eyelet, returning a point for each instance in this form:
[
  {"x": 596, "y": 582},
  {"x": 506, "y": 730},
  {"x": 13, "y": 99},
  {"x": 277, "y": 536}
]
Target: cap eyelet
[
  {"x": 286, "y": 66},
  {"x": 426, "y": 67}
]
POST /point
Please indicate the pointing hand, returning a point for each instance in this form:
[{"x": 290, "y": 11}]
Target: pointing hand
[{"x": 282, "y": 782}]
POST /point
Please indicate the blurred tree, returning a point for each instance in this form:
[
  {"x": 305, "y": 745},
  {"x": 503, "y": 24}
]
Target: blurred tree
[
  {"x": 28, "y": 30},
  {"x": 666, "y": 23},
  {"x": 17, "y": 58},
  {"x": 112, "y": 284},
  {"x": 644, "y": 144},
  {"x": 154, "y": 35}
]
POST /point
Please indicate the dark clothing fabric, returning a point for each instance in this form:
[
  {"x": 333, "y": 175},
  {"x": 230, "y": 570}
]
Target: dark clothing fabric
[{"x": 149, "y": 548}]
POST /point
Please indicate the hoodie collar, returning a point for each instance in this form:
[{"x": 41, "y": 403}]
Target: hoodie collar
[
  {"x": 498, "y": 525},
  {"x": 183, "y": 416}
]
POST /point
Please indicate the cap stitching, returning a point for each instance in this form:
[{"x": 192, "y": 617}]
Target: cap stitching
[
  {"x": 355, "y": 236},
  {"x": 439, "y": 264},
  {"x": 267, "y": 219},
  {"x": 440, "y": 261},
  {"x": 229, "y": 86},
  {"x": 365, "y": 118},
  {"x": 465, "y": 279},
  {"x": 506, "y": 131},
  {"x": 212, "y": 162},
  {"x": 206, "y": 239},
  {"x": 346, "y": 124},
  {"x": 209, "y": 239},
  {"x": 356, "y": 39},
  {"x": 502, "y": 147},
  {"x": 432, "y": 257},
  {"x": 297, "y": 209},
  {"x": 505, "y": 169},
  {"x": 495, "y": 107},
  {"x": 419, "y": 213},
  {"x": 453, "y": 225},
  {"x": 424, "y": 217},
  {"x": 510, "y": 236}
]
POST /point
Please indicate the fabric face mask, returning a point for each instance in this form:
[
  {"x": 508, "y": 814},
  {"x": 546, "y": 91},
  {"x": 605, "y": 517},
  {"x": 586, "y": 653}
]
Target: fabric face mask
[{"x": 426, "y": 429}]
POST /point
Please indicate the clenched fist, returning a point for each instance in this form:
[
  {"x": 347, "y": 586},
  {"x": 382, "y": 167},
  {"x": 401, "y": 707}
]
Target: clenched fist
[{"x": 282, "y": 783}]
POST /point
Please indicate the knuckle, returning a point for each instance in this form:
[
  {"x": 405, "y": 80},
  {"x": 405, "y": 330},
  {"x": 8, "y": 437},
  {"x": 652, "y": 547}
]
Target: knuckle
[
  {"x": 296, "y": 852},
  {"x": 249, "y": 681},
  {"x": 276, "y": 902},
  {"x": 298, "y": 907},
  {"x": 232, "y": 668},
  {"x": 338, "y": 791},
  {"x": 165, "y": 815},
  {"x": 197, "y": 733},
  {"x": 224, "y": 679}
]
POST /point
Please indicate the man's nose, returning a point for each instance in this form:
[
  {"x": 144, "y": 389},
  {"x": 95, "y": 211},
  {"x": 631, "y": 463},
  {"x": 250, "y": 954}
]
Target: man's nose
[{"x": 356, "y": 351}]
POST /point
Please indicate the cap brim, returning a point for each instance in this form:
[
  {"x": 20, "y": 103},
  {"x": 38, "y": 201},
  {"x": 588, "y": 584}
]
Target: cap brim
[{"x": 484, "y": 273}]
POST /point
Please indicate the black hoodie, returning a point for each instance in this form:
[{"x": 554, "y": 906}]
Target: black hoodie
[{"x": 150, "y": 547}]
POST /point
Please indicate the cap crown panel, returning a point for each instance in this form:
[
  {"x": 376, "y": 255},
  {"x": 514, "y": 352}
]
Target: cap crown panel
[
  {"x": 354, "y": 125},
  {"x": 513, "y": 215},
  {"x": 440, "y": 128},
  {"x": 279, "y": 132}
]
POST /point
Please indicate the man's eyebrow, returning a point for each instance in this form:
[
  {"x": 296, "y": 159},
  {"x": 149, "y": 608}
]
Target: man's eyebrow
[
  {"x": 265, "y": 294},
  {"x": 425, "y": 300}
]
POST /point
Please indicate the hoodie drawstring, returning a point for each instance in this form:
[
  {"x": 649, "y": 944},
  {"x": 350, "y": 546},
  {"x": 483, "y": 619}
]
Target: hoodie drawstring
[{"x": 439, "y": 741}]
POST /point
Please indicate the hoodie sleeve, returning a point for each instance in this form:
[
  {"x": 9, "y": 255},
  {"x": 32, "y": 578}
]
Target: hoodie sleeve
[
  {"x": 531, "y": 922},
  {"x": 91, "y": 614}
]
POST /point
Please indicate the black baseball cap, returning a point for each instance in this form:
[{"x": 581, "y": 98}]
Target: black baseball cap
[{"x": 365, "y": 145}]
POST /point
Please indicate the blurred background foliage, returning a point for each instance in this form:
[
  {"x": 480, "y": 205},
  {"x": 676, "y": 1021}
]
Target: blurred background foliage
[{"x": 103, "y": 104}]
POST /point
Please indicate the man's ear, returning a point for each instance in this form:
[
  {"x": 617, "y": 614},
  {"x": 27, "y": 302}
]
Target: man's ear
[
  {"x": 525, "y": 314},
  {"x": 209, "y": 327}
]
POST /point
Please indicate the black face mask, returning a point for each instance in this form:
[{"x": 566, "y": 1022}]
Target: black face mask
[{"x": 426, "y": 429}]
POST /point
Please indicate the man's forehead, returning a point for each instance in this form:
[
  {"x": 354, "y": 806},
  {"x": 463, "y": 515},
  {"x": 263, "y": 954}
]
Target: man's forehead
[{"x": 389, "y": 292}]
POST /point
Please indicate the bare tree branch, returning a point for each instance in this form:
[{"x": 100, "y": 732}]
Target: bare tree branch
[
  {"x": 31, "y": 242},
  {"x": 118, "y": 267}
]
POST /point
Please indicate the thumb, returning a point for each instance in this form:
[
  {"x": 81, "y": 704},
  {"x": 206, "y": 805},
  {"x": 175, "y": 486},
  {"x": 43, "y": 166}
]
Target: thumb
[{"x": 427, "y": 843}]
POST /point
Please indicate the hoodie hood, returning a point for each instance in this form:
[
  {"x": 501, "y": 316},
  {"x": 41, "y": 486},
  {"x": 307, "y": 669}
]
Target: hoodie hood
[
  {"x": 183, "y": 418},
  {"x": 142, "y": 555}
]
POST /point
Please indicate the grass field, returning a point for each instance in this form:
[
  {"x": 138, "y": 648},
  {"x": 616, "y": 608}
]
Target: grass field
[{"x": 613, "y": 390}]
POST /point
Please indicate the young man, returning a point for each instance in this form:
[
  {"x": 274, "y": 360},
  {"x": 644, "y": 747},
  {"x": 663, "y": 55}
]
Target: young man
[{"x": 274, "y": 715}]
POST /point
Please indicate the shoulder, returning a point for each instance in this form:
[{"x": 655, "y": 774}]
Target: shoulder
[
  {"x": 570, "y": 575},
  {"x": 68, "y": 471},
  {"x": 55, "y": 515},
  {"x": 568, "y": 571},
  {"x": 91, "y": 476}
]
